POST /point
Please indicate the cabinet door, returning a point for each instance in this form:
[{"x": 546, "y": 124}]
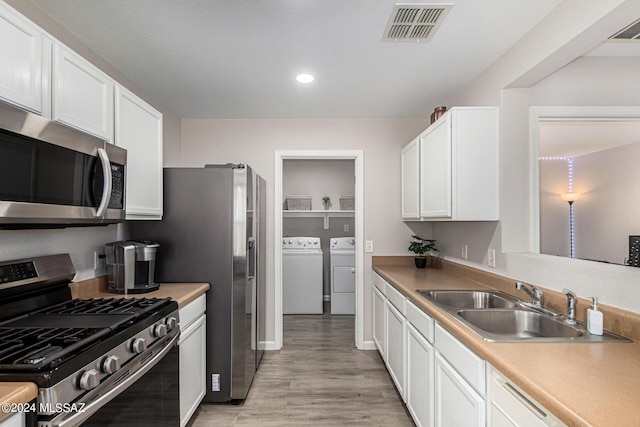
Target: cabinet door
[
  {"x": 82, "y": 94},
  {"x": 395, "y": 339},
  {"x": 21, "y": 71},
  {"x": 456, "y": 402},
  {"x": 435, "y": 170},
  {"x": 139, "y": 131},
  {"x": 420, "y": 368},
  {"x": 379, "y": 321},
  {"x": 192, "y": 348},
  {"x": 410, "y": 163}
]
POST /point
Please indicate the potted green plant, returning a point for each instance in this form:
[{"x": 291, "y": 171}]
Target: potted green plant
[
  {"x": 421, "y": 246},
  {"x": 326, "y": 201}
]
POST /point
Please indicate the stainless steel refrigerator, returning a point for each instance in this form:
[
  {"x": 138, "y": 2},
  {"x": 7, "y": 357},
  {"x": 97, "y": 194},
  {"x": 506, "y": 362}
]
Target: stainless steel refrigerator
[{"x": 213, "y": 230}]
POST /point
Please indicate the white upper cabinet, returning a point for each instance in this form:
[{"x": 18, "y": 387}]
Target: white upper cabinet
[
  {"x": 82, "y": 94},
  {"x": 457, "y": 161},
  {"x": 139, "y": 130},
  {"x": 26, "y": 56},
  {"x": 435, "y": 180},
  {"x": 410, "y": 158}
]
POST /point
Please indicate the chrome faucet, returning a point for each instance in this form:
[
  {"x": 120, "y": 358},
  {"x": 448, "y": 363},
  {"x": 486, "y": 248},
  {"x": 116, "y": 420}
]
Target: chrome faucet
[
  {"x": 535, "y": 293},
  {"x": 571, "y": 305}
]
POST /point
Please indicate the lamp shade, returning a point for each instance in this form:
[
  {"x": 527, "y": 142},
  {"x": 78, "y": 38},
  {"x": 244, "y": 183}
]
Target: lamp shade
[{"x": 570, "y": 197}]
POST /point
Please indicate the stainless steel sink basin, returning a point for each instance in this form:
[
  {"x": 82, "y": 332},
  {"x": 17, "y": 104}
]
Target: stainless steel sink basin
[
  {"x": 497, "y": 316},
  {"x": 469, "y": 299},
  {"x": 515, "y": 324}
]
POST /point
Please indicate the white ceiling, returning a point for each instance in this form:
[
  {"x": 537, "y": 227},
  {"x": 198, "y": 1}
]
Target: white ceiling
[
  {"x": 575, "y": 138},
  {"x": 238, "y": 59}
]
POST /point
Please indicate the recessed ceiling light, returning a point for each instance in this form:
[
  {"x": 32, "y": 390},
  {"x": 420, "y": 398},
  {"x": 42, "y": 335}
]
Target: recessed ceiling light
[{"x": 305, "y": 78}]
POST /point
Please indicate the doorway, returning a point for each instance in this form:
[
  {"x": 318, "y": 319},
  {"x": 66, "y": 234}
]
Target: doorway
[{"x": 356, "y": 157}]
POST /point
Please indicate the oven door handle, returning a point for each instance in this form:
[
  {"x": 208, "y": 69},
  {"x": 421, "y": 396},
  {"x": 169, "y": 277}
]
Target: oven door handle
[{"x": 74, "y": 419}]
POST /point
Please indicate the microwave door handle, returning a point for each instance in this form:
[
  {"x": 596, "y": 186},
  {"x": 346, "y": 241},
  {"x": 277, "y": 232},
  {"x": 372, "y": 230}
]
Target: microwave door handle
[{"x": 108, "y": 182}]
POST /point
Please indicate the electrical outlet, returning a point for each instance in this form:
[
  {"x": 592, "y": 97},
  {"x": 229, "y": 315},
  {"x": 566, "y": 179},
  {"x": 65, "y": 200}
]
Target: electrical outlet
[
  {"x": 99, "y": 259},
  {"x": 464, "y": 251},
  {"x": 368, "y": 246},
  {"x": 346, "y": 227},
  {"x": 491, "y": 257}
]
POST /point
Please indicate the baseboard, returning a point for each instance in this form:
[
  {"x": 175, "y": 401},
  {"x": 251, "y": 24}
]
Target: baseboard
[
  {"x": 368, "y": 345},
  {"x": 268, "y": 345}
]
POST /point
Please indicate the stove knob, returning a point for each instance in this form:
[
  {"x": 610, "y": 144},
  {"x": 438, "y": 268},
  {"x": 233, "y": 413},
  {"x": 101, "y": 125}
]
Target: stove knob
[
  {"x": 160, "y": 331},
  {"x": 89, "y": 379},
  {"x": 138, "y": 345},
  {"x": 110, "y": 364},
  {"x": 171, "y": 323}
]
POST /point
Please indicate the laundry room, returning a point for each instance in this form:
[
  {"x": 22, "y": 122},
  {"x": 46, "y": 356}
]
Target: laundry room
[{"x": 318, "y": 236}]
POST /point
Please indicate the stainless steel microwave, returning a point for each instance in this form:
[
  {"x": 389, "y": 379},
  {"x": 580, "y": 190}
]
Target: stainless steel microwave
[{"x": 55, "y": 176}]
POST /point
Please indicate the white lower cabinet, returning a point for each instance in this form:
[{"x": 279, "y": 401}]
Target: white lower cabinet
[
  {"x": 512, "y": 407},
  {"x": 396, "y": 345},
  {"x": 456, "y": 402},
  {"x": 420, "y": 371},
  {"x": 442, "y": 381},
  {"x": 192, "y": 349},
  {"x": 379, "y": 320}
]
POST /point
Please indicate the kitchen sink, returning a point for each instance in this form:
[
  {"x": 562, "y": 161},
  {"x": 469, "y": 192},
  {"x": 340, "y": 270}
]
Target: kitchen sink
[
  {"x": 518, "y": 324},
  {"x": 499, "y": 317},
  {"x": 469, "y": 299}
]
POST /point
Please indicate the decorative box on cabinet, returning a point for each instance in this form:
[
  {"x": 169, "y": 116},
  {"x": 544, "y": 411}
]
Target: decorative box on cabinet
[
  {"x": 82, "y": 94},
  {"x": 457, "y": 168},
  {"x": 26, "y": 61},
  {"x": 139, "y": 130}
]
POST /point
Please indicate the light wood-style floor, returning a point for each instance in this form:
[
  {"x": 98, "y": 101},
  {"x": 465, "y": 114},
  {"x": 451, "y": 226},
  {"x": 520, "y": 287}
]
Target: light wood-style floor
[{"x": 317, "y": 379}]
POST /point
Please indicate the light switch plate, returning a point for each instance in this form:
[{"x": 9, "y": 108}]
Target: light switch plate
[{"x": 368, "y": 246}]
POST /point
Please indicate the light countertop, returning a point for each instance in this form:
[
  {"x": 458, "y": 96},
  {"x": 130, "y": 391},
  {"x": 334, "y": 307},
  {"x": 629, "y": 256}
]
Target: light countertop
[{"x": 582, "y": 384}]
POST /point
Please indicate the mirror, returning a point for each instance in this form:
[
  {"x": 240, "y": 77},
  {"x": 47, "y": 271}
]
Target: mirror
[{"x": 588, "y": 197}]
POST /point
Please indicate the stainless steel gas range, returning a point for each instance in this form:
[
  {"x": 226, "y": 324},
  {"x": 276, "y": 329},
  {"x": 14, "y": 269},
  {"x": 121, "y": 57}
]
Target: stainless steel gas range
[{"x": 107, "y": 361}]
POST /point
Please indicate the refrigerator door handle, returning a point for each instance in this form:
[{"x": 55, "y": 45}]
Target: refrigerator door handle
[{"x": 251, "y": 258}]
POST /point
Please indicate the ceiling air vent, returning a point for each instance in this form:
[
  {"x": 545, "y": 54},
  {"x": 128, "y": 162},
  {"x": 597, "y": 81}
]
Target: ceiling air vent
[
  {"x": 632, "y": 32},
  {"x": 415, "y": 22}
]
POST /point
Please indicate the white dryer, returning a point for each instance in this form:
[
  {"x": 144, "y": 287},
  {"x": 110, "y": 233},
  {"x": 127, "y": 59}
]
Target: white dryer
[
  {"x": 343, "y": 275},
  {"x": 302, "y": 274}
]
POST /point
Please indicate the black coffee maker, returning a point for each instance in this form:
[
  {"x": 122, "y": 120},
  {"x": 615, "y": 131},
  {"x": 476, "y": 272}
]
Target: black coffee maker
[{"x": 131, "y": 266}]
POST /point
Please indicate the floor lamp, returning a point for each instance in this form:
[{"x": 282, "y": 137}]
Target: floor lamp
[{"x": 570, "y": 198}]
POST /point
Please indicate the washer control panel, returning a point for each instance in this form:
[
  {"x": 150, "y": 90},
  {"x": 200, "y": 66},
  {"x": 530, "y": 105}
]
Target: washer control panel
[{"x": 301, "y": 242}]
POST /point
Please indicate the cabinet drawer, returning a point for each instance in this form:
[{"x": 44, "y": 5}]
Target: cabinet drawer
[
  {"x": 468, "y": 364},
  {"x": 192, "y": 311},
  {"x": 397, "y": 299},
  {"x": 513, "y": 407},
  {"x": 420, "y": 320},
  {"x": 379, "y": 283}
]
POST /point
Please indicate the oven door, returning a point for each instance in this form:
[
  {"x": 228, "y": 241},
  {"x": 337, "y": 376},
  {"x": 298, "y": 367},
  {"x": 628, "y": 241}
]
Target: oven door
[
  {"x": 51, "y": 174},
  {"x": 147, "y": 397}
]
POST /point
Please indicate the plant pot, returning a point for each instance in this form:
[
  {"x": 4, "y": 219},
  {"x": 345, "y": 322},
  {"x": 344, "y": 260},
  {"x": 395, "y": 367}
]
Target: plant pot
[{"x": 421, "y": 261}]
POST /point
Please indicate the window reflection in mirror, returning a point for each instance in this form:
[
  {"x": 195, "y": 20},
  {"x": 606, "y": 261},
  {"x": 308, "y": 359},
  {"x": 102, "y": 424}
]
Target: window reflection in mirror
[{"x": 595, "y": 164}]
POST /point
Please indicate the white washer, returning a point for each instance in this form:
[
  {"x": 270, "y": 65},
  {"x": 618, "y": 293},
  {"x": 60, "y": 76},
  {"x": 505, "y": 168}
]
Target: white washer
[
  {"x": 301, "y": 275},
  {"x": 343, "y": 275}
]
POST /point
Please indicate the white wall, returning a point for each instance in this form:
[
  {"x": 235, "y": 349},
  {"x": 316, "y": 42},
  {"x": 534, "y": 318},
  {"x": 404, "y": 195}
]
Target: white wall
[
  {"x": 255, "y": 141},
  {"x": 515, "y": 83}
]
